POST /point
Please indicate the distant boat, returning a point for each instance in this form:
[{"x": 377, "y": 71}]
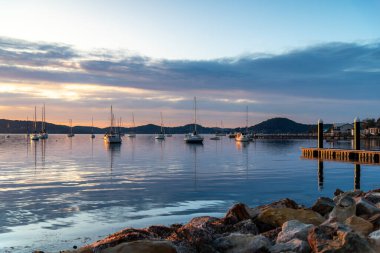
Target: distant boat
[
  {"x": 92, "y": 128},
  {"x": 71, "y": 134},
  {"x": 243, "y": 136},
  {"x": 221, "y": 133},
  {"x": 112, "y": 136},
  {"x": 161, "y": 135},
  {"x": 43, "y": 134},
  {"x": 215, "y": 138},
  {"x": 232, "y": 135},
  {"x": 169, "y": 135},
  {"x": 194, "y": 137},
  {"x": 132, "y": 134},
  {"x": 34, "y": 136}
]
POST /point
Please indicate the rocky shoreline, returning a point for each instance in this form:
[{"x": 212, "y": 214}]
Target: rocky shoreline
[{"x": 350, "y": 222}]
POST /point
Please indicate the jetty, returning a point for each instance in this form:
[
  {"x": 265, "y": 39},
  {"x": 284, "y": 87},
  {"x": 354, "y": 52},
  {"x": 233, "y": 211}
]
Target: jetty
[{"x": 356, "y": 155}]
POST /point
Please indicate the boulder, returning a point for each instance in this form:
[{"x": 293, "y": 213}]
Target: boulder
[
  {"x": 375, "y": 237},
  {"x": 359, "y": 225},
  {"x": 236, "y": 213},
  {"x": 337, "y": 238},
  {"x": 143, "y": 246},
  {"x": 242, "y": 243},
  {"x": 295, "y": 245},
  {"x": 345, "y": 207},
  {"x": 272, "y": 234},
  {"x": 364, "y": 207},
  {"x": 293, "y": 229},
  {"x": 373, "y": 197},
  {"x": 351, "y": 194},
  {"x": 375, "y": 220},
  {"x": 278, "y": 216},
  {"x": 323, "y": 206}
]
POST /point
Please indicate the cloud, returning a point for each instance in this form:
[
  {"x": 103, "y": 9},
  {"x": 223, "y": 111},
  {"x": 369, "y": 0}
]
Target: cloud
[{"x": 329, "y": 76}]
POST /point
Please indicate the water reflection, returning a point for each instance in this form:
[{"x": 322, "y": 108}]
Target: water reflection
[
  {"x": 357, "y": 169},
  {"x": 113, "y": 151}
]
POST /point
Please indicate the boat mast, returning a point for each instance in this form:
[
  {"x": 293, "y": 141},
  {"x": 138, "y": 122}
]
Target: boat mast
[
  {"x": 35, "y": 119},
  {"x": 195, "y": 115},
  {"x": 161, "y": 123},
  {"x": 92, "y": 125},
  {"x": 27, "y": 125},
  {"x": 133, "y": 119},
  {"x": 246, "y": 123}
]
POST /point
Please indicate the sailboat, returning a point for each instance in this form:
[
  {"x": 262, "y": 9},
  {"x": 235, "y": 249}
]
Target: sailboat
[
  {"x": 34, "y": 136},
  {"x": 243, "y": 136},
  {"x": 92, "y": 128},
  {"x": 216, "y": 136},
  {"x": 112, "y": 136},
  {"x": 161, "y": 135},
  {"x": 43, "y": 134},
  {"x": 194, "y": 137},
  {"x": 221, "y": 133},
  {"x": 71, "y": 134},
  {"x": 132, "y": 134}
]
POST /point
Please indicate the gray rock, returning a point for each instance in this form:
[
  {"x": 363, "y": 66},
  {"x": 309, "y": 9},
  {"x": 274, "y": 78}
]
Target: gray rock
[
  {"x": 352, "y": 194},
  {"x": 294, "y": 245},
  {"x": 345, "y": 207},
  {"x": 364, "y": 207},
  {"x": 323, "y": 206},
  {"x": 373, "y": 197},
  {"x": 293, "y": 229},
  {"x": 242, "y": 243},
  {"x": 375, "y": 237}
]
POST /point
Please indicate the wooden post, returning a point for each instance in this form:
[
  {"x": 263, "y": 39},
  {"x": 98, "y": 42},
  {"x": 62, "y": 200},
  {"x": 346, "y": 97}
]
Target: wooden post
[
  {"x": 320, "y": 133},
  {"x": 320, "y": 174},
  {"x": 357, "y": 134},
  {"x": 357, "y": 177}
]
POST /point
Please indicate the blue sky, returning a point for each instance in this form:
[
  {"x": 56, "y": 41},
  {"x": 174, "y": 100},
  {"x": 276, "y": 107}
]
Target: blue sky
[{"x": 299, "y": 59}]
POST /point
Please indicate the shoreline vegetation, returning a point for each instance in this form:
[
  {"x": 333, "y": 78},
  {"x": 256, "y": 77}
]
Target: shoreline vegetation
[{"x": 349, "y": 222}]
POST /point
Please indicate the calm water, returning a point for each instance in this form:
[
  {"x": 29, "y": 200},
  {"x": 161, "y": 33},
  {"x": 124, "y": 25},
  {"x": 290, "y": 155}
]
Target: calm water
[{"x": 63, "y": 192}]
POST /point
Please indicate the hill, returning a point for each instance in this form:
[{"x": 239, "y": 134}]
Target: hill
[{"x": 281, "y": 126}]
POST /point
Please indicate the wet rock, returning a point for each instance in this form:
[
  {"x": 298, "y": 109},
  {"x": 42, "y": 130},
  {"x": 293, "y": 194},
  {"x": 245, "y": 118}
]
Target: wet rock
[
  {"x": 293, "y": 229},
  {"x": 351, "y": 194},
  {"x": 236, "y": 213},
  {"x": 359, "y": 225},
  {"x": 364, "y": 207},
  {"x": 242, "y": 243},
  {"x": 374, "y": 237},
  {"x": 323, "y": 206},
  {"x": 277, "y": 216},
  {"x": 143, "y": 246},
  {"x": 244, "y": 227},
  {"x": 294, "y": 245},
  {"x": 272, "y": 234},
  {"x": 345, "y": 207},
  {"x": 282, "y": 203},
  {"x": 337, "y": 238}
]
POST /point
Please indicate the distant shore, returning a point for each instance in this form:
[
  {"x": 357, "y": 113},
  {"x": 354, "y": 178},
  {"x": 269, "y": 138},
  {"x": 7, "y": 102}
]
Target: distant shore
[{"x": 350, "y": 222}]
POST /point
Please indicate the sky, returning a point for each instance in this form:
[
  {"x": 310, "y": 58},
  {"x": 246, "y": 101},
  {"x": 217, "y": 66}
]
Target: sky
[{"x": 303, "y": 60}]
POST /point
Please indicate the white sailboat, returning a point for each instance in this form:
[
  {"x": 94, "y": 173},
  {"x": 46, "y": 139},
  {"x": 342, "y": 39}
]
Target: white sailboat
[
  {"x": 132, "y": 134},
  {"x": 112, "y": 136},
  {"x": 43, "y": 134},
  {"x": 194, "y": 137},
  {"x": 221, "y": 133},
  {"x": 161, "y": 135},
  {"x": 243, "y": 136},
  {"x": 92, "y": 128},
  {"x": 71, "y": 134},
  {"x": 34, "y": 136}
]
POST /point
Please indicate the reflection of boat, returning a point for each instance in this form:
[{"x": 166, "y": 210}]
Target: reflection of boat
[
  {"x": 27, "y": 135},
  {"x": 71, "y": 134},
  {"x": 161, "y": 135},
  {"x": 194, "y": 137},
  {"x": 132, "y": 134},
  {"x": 34, "y": 136},
  {"x": 43, "y": 134},
  {"x": 112, "y": 136},
  {"x": 243, "y": 136},
  {"x": 92, "y": 128}
]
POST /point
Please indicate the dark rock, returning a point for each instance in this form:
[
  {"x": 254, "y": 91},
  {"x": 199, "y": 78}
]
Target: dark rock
[
  {"x": 236, "y": 213},
  {"x": 143, "y": 246},
  {"x": 345, "y": 207},
  {"x": 243, "y": 227},
  {"x": 161, "y": 231},
  {"x": 272, "y": 234},
  {"x": 351, "y": 194},
  {"x": 338, "y": 192},
  {"x": 236, "y": 242},
  {"x": 283, "y": 203},
  {"x": 373, "y": 197},
  {"x": 375, "y": 220},
  {"x": 75, "y": 247},
  {"x": 364, "y": 207},
  {"x": 336, "y": 238},
  {"x": 323, "y": 206}
]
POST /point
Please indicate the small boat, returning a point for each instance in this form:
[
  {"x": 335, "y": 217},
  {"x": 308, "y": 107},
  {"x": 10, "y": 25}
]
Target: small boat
[
  {"x": 71, "y": 134},
  {"x": 132, "y": 134},
  {"x": 194, "y": 137},
  {"x": 161, "y": 135},
  {"x": 243, "y": 136},
  {"x": 169, "y": 135},
  {"x": 221, "y": 133},
  {"x": 112, "y": 136},
  {"x": 215, "y": 138},
  {"x": 43, "y": 134},
  {"x": 34, "y": 136},
  {"x": 232, "y": 135},
  {"x": 92, "y": 128}
]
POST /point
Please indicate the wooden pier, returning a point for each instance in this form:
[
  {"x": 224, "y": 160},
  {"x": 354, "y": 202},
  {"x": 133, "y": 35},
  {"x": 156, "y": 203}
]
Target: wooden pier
[{"x": 344, "y": 155}]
